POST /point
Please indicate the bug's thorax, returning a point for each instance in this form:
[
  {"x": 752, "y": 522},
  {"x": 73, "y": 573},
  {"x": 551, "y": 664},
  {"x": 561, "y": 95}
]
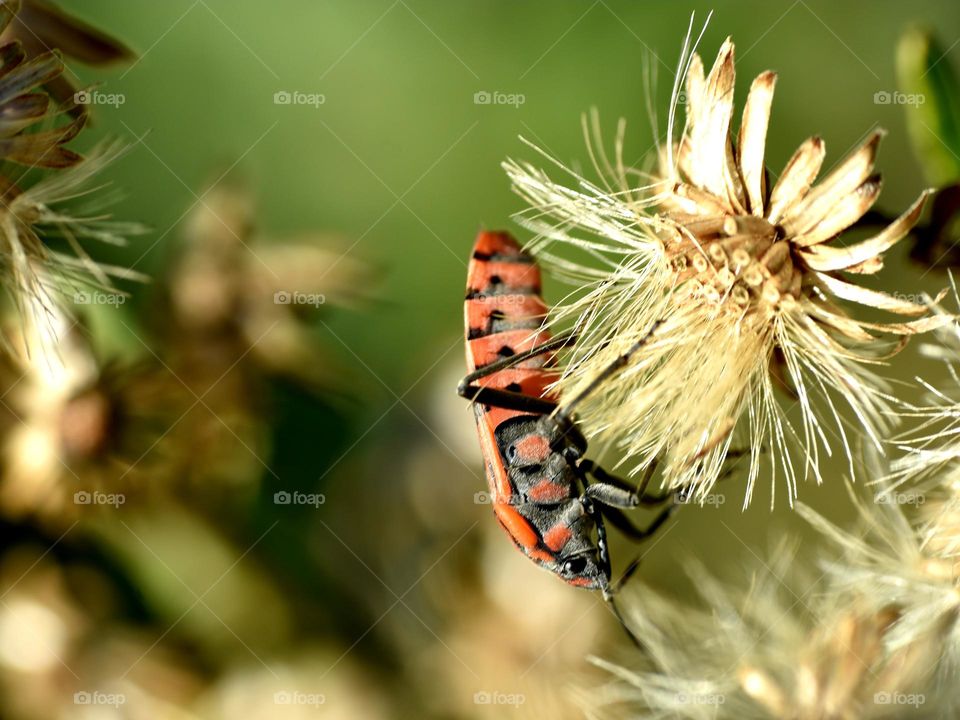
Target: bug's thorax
[{"x": 541, "y": 460}]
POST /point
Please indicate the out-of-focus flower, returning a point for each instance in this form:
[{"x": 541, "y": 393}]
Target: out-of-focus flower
[
  {"x": 920, "y": 569},
  {"x": 907, "y": 562},
  {"x": 932, "y": 450},
  {"x": 193, "y": 413},
  {"x": 747, "y": 280},
  {"x": 42, "y": 228},
  {"x": 261, "y": 296},
  {"x": 784, "y": 645},
  {"x": 243, "y": 310}
]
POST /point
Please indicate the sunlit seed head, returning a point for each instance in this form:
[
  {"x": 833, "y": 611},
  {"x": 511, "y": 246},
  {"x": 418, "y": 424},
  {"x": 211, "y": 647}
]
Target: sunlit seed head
[{"x": 735, "y": 271}]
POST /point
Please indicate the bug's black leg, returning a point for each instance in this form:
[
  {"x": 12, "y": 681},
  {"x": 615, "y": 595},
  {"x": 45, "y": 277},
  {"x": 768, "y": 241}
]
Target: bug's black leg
[
  {"x": 621, "y": 522},
  {"x": 509, "y": 399},
  {"x": 608, "y": 597},
  {"x": 554, "y": 343},
  {"x": 613, "y": 588},
  {"x": 612, "y": 496},
  {"x": 607, "y": 499},
  {"x": 564, "y": 414},
  {"x": 604, "y": 558},
  {"x": 627, "y": 574},
  {"x": 640, "y": 491}
]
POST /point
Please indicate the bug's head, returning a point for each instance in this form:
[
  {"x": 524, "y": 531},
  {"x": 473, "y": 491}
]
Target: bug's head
[{"x": 583, "y": 570}]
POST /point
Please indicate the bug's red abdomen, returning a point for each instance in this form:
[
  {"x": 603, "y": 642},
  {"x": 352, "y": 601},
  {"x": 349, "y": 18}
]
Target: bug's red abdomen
[
  {"x": 531, "y": 458},
  {"x": 503, "y": 316},
  {"x": 488, "y": 314}
]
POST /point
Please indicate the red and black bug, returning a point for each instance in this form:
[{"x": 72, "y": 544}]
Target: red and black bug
[{"x": 539, "y": 480}]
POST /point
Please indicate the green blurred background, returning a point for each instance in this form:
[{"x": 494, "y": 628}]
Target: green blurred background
[{"x": 398, "y": 597}]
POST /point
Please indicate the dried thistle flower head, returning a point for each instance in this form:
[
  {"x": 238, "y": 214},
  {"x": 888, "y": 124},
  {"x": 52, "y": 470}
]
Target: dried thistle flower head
[
  {"x": 747, "y": 279},
  {"x": 33, "y": 214},
  {"x": 42, "y": 230}
]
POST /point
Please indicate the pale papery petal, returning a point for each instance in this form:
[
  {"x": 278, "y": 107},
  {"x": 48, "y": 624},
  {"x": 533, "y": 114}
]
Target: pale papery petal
[
  {"x": 867, "y": 267},
  {"x": 827, "y": 258},
  {"x": 797, "y": 177},
  {"x": 844, "y": 179},
  {"x": 699, "y": 202},
  {"x": 696, "y": 87},
  {"x": 846, "y": 212},
  {"x": 910, "y": 327},
  {"x": 753, "y": 140},
  {"x": 710, "y": 125},
  {"x": 870, "y": 298},
  {"x": 835, "y": 318}
]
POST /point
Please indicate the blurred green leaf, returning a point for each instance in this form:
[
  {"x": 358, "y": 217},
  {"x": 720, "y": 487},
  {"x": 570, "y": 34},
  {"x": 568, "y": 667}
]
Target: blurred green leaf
[
  {"x": 924, "y": 73},
  {"x": 195, "y": 579}
]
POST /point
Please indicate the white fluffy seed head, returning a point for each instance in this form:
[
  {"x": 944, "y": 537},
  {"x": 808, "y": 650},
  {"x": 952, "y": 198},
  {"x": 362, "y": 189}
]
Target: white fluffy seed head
[{"x": 742, "y": 277}]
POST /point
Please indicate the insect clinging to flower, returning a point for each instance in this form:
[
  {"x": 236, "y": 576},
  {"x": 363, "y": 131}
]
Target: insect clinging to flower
[
  {"x": 749, "y": 277},
  {"x": 549, "y": 498}
]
